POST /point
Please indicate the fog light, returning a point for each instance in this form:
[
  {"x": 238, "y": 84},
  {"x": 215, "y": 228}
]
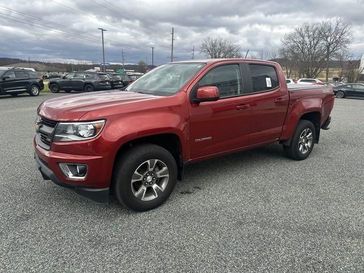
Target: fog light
[{"x": 74, "y": 171}]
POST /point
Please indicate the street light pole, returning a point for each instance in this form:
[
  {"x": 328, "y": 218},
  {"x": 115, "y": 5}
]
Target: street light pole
[
  {"x": 152, "y": 56},
  {"x": 103, "y": 47},
  {"x": 172, "y": 57}
]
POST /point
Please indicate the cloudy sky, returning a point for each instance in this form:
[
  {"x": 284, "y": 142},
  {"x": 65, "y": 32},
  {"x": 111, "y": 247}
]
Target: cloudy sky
[{"x": 66, "y": 29}]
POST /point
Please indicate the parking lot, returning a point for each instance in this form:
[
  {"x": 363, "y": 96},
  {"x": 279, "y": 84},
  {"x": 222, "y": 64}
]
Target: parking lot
[{"x": 254, "y": 211}]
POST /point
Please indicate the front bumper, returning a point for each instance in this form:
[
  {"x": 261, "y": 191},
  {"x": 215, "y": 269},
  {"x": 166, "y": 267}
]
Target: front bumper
[{"x": 96, "y": 194}]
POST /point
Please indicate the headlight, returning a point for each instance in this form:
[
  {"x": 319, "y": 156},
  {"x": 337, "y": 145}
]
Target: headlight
[{"x": 76, "y": 131}]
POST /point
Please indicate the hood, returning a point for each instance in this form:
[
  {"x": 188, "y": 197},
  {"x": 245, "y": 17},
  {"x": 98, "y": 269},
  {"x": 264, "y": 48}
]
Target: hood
[{"x": 73, "y": 107}]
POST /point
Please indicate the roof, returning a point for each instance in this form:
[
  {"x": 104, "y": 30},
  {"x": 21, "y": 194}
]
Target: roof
[{"x": 210, "y": 61}]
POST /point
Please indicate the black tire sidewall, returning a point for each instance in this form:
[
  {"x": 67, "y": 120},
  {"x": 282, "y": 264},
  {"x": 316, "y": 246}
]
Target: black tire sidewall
[
  {"x": 340, "y": 96},
  {"x": 54, "y": 85},
  {"x": 89, "y": 88},
  {"x": 294, "y": 149},
  {"x": 126, "y": 167}
]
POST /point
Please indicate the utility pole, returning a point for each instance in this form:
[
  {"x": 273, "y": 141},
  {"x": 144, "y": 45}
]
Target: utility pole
[
  {"x": 152, "y": 56},
  {"x": 172, "y": 44},
  {"x": 103, "y": 47},
  {"x": 193, "y": 52}
]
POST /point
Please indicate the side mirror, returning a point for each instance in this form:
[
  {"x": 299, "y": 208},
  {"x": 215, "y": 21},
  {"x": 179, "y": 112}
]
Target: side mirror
[
  {"x": 6, "y": 78},
  {"x": 206, "y": 93}
]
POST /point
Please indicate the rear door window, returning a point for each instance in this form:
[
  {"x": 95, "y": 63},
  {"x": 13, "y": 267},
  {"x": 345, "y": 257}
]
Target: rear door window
[
  {"x": 263, "y": 77},
  {"x": 21, "y": 75}
]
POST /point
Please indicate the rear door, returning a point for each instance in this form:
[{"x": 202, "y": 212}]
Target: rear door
[
  {"x": 22, "y": 79},
  {"x": 9, "y": 82},
  {"x": 266, "y": 103}
]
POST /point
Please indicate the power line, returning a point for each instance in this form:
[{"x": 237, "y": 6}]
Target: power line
[{"x": 37, "y": 22}]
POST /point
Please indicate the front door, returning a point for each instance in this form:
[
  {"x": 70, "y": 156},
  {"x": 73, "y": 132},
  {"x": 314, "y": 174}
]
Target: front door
[{"x": 214, "y": 126}]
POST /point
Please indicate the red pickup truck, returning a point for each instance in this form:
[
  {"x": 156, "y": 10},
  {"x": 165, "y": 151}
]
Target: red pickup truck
[{"x": 134, "y": 144}]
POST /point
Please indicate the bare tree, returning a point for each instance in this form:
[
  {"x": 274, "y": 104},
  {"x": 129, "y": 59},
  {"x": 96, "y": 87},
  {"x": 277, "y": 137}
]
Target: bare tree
[
  {"x": 335, "y": 35},
  {"x": 304, "y": 47},
  {"x": 142, "y": 67},
  {"x": 312, "y": 46},
  {"x": 219, "y": 48}
]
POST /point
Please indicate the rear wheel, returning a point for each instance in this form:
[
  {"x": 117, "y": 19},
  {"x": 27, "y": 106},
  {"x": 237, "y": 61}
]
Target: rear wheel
[
  {"x": 340, "y": 94},
  {"x": 89, "y": 88},
  {"x": 302, "y": 142},
  {"x": 54, "y": 88},
  {"x": 34, "y": 90},
  {"x": 145, "y": 177}
]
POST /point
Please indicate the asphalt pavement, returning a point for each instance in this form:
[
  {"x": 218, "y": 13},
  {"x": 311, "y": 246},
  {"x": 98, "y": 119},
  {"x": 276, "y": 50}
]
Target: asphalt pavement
[{"x": 254, "y": 211}]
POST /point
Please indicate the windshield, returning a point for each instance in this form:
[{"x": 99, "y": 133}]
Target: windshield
[
  {"x": 166, "y": 79},
  {"x": 2, "y": 71}
]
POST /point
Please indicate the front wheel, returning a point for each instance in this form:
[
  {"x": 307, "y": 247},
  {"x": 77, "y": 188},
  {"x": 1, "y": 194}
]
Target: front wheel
[
  {"x": 34, "y": 90},
  {"x": 54, "y": 88},
  {"x": 145, "y": 177},
  {"x": 89, "y": 88},
  {"x": 340, "y": 94},
  {"x": 302, "y": 142}
]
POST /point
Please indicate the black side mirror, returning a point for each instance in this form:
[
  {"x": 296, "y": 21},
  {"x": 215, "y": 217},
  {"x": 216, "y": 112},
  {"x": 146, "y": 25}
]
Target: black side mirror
[{"x": 6, "y": 78}]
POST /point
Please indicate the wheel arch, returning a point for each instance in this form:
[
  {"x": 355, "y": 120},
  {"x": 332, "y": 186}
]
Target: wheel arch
[
  {"x": 313, "y": 116},
  {"x": 170, "y": 141}
]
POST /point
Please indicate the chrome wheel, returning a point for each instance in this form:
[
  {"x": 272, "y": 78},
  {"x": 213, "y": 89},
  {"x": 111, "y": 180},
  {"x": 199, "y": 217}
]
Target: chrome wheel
[
  {"x": 150, "y": 179},
  {"x": 34, "y": 90},
  {"x": 305, "y": 142}
]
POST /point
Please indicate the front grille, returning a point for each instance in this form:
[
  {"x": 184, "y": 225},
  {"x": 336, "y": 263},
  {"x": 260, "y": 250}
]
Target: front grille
[
  {"x": 48, "y": 122},
  {"x": 45, "y": 132}
]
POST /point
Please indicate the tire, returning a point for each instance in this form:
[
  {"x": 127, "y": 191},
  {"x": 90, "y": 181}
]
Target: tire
[
  {"x": 34, "y": 90},
  {"x": 67, "y": 91},
  {"x": 340, "y": 94},
  {"x": 302, "y": 142},
  {"x": 151, "y": 186},
  {"x": 88, "y": 88},
  {"x": 54, "y": 88},
  {"x": 14, "y": 94}
]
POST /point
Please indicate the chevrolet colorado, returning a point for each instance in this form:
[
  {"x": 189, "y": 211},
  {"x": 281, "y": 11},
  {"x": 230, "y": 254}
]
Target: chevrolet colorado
[{"x": 134, "y": 144}]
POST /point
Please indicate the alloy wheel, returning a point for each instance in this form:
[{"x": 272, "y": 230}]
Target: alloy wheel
[{"x": 150, "y": 179}]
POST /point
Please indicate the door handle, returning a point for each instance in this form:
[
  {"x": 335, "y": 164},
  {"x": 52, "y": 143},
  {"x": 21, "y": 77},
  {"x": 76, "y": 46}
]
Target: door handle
[
  {"x": 278, "y": 100},
  {"x": 242, "y": 107}
]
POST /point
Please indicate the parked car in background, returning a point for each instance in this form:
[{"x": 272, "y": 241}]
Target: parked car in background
[
  {"x": 349, "y": 90},
  {"x": 118, "y": 81},
  {"x": 310, "y": 81},
  {"x": 52, "y": 76},
  {"x": 80, "y": 81},
  {"x": 134, "y": 75},
  {"x": 290, "y": 81},
  {"x": 126, "y": 80},
  {"x": 14, "y": 81}
]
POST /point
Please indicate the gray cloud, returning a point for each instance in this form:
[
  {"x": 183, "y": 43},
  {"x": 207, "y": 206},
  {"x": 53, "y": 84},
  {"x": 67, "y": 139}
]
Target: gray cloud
[{"x": 43, "y": 29}]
